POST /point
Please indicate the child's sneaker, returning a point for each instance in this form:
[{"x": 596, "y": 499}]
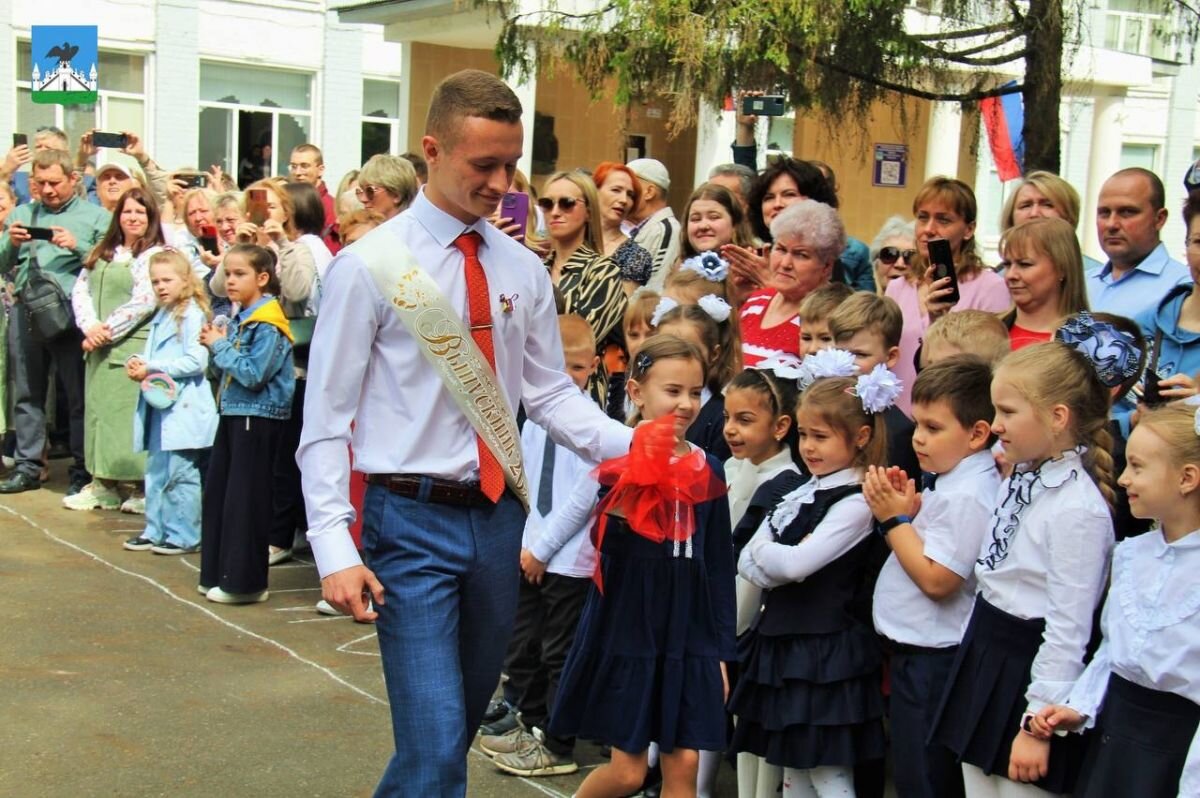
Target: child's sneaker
[
  {"x": 535, "y": 759},
  {"x": 510, "y": 742},
  {"x": 94, "y": 496},
  {"x": 221, "y": 597},
  {"x": 138, "y": 543},
  {"x": 135, "y": 504},
  {"x": 166, "y": 547}
]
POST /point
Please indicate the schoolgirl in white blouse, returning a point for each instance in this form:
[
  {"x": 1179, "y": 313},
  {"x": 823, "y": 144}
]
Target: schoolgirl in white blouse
[
  {"x": 1041, "y": 570},
  {"x": 1142, "y": 689}
]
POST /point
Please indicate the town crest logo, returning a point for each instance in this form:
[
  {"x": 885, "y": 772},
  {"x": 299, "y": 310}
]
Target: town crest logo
[{"x": 64, "y": 69}]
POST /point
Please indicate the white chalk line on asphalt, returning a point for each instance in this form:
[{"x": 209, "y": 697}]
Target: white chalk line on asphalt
[
  {"x": 542, "y": 788},
  {"x": 199, "y": 607}
]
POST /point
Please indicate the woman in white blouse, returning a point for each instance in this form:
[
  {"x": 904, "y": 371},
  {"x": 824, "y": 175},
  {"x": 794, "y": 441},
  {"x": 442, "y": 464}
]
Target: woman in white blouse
[
  {"x": 1142, "y": 689},
  {"x": 1040, "y": 571}
]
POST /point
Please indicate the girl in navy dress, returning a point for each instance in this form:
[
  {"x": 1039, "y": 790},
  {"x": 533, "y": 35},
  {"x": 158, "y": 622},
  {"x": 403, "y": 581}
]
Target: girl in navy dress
[
  {"x": 649, "y": 659},
  {"x": 1142, "y": 689},
  {"x": 1042, "y": 567},
  {"x": 808, "y": 693}
]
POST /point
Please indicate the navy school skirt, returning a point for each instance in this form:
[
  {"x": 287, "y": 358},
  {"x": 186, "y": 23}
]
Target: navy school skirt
[
  {"x": 981, "y": 710},
  {"x": 1141, "y": 743}
]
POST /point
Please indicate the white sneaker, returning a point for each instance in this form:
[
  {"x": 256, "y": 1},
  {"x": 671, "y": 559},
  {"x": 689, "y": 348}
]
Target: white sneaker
[
  {"x": 221, "y": 597},
  {"x": 93, "y": 496},
  {"x": 135, "y": 504},
  {"x": 276, "y": 555}
]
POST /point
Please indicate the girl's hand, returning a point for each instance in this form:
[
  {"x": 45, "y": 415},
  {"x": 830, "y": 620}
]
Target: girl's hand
[
  {"x": 1177, "y": 386},
  {"x": 533, "y": 568},
  {"x": 135, "y": 368},
  {"x": 725, "y": 680},
  {"x": 210, "y": 333},
  {"x": 1054, "y": 718},
  {"x": 247, "y": 232},
  {"x": 1030, "y": 758},
  {"x": 744, "y": 262},
  {"x": 273, "y": 230},
  {"x": 884, "y": 499}
]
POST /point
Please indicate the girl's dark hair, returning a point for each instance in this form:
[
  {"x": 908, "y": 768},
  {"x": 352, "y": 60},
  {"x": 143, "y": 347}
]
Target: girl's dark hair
[
  {"x": 809, "y": 180},
  {"x": 262, "y": 260},
  {"x": 115, "y": 237},
  {"x": 832, "y": 400},
  {"x": 662, "y": 347},
  {"x": 308, "y": 214},
  {"x": 715, "y": 334},
  {"x": 781, "y": 397},
  {"x": 1191, "y": 207}
]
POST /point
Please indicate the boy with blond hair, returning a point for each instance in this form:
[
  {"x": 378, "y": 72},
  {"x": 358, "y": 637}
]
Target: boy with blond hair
[
  {"x": 966, "y": 332},
  {"x": 815, "y": 311}
]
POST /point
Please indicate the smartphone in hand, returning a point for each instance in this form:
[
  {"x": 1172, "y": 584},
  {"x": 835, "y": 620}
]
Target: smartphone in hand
[
  {"x": 763, "y": 105},
  {"x": 115, "y": 141},
  {"x": 515, "y": 205},
  {"x": 942, "y": 261},
  {"x": 20, "y": 140},
  {"x": 208, "y": 239},
  {"x": 40, "y": 233},
  {"x": 193, "y": 179},
  {"x": 256, "y": 206}
]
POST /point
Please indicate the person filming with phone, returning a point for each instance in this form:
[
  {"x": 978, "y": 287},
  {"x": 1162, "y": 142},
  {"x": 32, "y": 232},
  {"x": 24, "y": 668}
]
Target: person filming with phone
[{"x": 42, "y": 252}]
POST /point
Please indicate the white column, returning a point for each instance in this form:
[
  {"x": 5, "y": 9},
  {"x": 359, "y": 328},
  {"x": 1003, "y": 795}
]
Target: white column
[
  {"x": 175, "y": 127},
  {"x": 941, "y": 145},
  {"x": 1108, "y": 116},
  {"x": 527, "y": 93},
  {"x": 1177, "y": 158},
  {"x": 8, "y": 116},
  {"x": 715, "y": 131},
  {"x": 339, "y": 133},
  {"x": 405, "y": 121}
]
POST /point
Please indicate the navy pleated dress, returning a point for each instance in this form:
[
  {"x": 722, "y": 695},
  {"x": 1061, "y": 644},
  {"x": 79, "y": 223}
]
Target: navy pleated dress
[
  {"x": 645, "y": 664},
  {"x": 808, "y": 691}
]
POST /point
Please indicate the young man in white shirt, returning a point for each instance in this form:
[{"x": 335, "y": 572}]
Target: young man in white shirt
[
  {"x": 925, "y": 592},
  {"x": 441, "y": 535}
]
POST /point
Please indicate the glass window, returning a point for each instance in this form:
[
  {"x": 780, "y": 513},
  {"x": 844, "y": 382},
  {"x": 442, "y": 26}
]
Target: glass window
[
  {"x": 216, "y": 138},
  {"x": 292, "y": 131},
  {"x": 376, "y": 139},
  {"x": 124, "y": 114},
  {"x": 1143, "y": 155},
  {"x": 274, "y": 88},
  {"x": 31, "y": 115},
  {"x": 124, "y": 72},
  {"x": 381, "y": 99}
]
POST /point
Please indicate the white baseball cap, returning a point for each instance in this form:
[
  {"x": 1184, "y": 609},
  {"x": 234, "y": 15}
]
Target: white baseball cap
[
  {"x": 652, "y": 170},
  {"x": 110, "y": 166}
]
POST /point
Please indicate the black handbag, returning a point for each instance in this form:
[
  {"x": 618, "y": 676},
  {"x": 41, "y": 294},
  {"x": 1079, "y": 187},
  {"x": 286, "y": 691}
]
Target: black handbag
[{"x": 45, "y": 301}]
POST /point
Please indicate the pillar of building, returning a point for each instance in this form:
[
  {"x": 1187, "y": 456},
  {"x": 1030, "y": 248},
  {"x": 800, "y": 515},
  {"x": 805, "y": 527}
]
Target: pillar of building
[
  {"x": 1108, "y": 114},
  {"x": 340, "y": 134},
  {"x": 942, "y": 142},
  {"x": 175, "y": 138},
  {"x": 526, "y": 91}
]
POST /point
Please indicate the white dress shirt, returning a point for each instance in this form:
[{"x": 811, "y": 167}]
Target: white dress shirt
[
  {"x": 565, "y": 548},
  {"x": 365, "y": 367},
  {"x": 953, "y": 521},
  {"x": 768, "y": 564},
  {"x": 1151, "y": 630},
  {"x": 1046, "y": 556},
  {"x": 743, "y": 478}
]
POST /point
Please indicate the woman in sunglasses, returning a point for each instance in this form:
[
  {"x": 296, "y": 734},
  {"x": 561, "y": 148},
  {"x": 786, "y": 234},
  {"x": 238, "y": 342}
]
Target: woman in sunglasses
[
  {"x": 892, "y": 251},
  {"x": 387, "y": 184},
  {"x": 589, "y": 282}
]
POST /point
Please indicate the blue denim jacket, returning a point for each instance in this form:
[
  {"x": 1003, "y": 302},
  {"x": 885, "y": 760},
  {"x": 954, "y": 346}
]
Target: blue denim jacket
[
  {"x": 175, "y": 349},
  {"x": 255, "y": 361}
]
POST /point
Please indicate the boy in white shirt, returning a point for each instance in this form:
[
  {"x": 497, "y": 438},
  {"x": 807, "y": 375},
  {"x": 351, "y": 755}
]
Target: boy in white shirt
[
  {"x": 557, "y": 562},
  {"x": 924, "y": 593}
]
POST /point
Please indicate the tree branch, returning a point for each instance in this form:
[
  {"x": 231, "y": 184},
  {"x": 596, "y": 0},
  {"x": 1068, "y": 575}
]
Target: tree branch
[
  {"x": 987, "y": 30},
  {"x": 971, "y": 96},
  {"x": 515, "y": 18},
  {"x": 981, "y": 48},
  {"x": 960, "y": 59}
]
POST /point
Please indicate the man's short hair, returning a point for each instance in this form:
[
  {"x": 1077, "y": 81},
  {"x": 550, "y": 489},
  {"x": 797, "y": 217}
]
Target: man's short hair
[
  {"x": 974, "y": 332},
  {"x": 820, "y": 304},
  {"x": 314, "y": 150},
  {"x": 866, "y": 310},
  {"x": 1158, "y": 194},
  {"x": 419, "y": 165},
  {"x": 743, "y": 173},
  {"x": 470, "y": 92},
  {"x": 53, "y": 132},
  {"x": 48, "y": 159},
  {"x": 964, "y": 382},
  {"x": 577, "y": 335}
]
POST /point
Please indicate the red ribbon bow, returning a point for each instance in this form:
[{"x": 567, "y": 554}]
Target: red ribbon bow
[{"x": 656, "y": 496}]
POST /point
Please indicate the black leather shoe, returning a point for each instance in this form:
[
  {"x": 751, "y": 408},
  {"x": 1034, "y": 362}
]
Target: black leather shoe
[
  {"x": 77, "y": 485},
  {"x": 19, "y": 483}
]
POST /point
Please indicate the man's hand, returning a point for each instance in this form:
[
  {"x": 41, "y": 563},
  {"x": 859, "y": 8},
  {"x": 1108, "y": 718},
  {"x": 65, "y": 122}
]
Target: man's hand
[
  {"x": 134, "y": 147},
  {"x": 533, "y": 568},
  {"x": 745, "y": 122},
  {"x": 350, "y": 590},
  {"x": 16, "y": 158},
  {"x": 87, "y": 149},
  {"x": 63, "y": 238},
  {"x": 18, "y": 233}
]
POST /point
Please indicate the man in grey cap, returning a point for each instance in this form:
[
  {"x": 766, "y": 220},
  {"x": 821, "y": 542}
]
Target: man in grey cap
[{"x": 658, "y": 231}]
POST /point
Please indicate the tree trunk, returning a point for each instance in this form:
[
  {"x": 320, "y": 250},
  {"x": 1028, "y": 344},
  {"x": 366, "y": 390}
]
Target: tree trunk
[{"x": 1043, "y": 85}]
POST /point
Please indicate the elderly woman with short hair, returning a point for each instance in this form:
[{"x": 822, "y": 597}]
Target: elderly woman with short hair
[
  {"x": 893, "y": 251},
  {"x": 808, "y": 237},
  {"x": 386, "y": 184}
]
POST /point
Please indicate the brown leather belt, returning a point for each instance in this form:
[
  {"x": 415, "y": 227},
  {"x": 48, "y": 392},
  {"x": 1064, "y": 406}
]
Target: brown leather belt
[{"x": 441, "y": 491}]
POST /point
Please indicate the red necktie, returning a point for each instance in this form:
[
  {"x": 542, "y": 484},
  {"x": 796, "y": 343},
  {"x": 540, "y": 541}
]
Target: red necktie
[{"x": 491, "y": 475}]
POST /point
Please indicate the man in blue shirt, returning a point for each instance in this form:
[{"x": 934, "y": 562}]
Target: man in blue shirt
[{"x": 1130, "y": 214}]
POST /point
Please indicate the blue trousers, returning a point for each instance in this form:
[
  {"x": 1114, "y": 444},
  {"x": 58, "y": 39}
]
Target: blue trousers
[
  {"x": 172, "y": 490},
  {"x": 450, "y": 578},
  {"x": 921, "y": 769}
]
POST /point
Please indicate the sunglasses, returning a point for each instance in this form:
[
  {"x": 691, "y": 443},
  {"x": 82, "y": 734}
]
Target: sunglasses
[
  {"x": 367, "y": 192},
  {"x": 889, "y": 255},
  {"x": 565, "y": 204}
]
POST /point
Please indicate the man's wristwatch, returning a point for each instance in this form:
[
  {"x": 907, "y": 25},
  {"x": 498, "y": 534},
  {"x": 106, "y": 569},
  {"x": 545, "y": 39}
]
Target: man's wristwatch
[{"x": 883, "y": 527}]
